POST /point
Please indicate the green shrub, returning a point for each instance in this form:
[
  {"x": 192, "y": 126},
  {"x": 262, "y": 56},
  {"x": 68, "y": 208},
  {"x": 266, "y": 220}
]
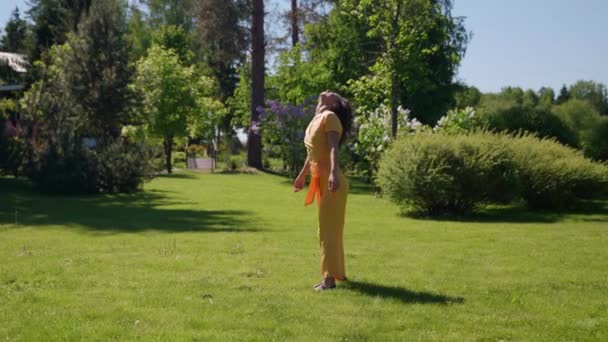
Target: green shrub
[
  {"x": 123, "y": 166},
  {"x": 71, "y": 168},
  {"x": 554, "y": 176},
  {"x": 66, "y": 169},
  {"x": 596, "y": 142},
  {"x": 455, "y": 174},
  {"x": 448, "y": 174},
  {"x": 235, "y": 163},
  {"x": 516, "y": 118},
  {"x": 12, "y": 142}
]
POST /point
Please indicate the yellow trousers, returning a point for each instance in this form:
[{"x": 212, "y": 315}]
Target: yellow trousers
[{"x": 332, "y": 209}]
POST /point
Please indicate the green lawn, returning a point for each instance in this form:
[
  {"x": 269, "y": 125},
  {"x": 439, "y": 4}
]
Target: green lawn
[{"x": 234, "y": 257}]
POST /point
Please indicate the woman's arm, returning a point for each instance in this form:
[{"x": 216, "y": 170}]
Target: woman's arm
[
  {"x": 298, "y": 184},
  {"x": 333, "y": 139}
]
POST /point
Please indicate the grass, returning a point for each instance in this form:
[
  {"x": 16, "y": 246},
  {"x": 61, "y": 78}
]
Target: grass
[{"x": 233, "y": 257}]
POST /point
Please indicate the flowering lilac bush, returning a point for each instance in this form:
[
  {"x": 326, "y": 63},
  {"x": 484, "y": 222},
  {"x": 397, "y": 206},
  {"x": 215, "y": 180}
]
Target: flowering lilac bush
[
  {"x": 374, "y": 135},
  {"x": 283, "y": 126},
  {"x": 459, "y": 121}
]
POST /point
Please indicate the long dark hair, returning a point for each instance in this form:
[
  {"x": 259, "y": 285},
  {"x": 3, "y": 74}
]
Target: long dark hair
[{"x": 344, "y": 112}]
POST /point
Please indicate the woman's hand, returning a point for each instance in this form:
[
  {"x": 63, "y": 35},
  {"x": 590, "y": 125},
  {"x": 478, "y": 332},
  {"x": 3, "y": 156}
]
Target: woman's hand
[
  {"x": 333, "y": 182},
  {"x": 299, "y": 182}
]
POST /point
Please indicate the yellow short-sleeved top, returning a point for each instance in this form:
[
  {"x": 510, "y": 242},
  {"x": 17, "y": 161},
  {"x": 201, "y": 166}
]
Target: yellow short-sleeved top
[{"x": 316, "y": 137}]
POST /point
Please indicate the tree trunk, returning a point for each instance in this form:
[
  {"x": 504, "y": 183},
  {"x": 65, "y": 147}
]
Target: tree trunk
[
  {"x": 168, "y": 148},
  {"x": 295, "y": 31},
  {"x": 394, "y": 103},
  {"x": 254, "y": 140}
]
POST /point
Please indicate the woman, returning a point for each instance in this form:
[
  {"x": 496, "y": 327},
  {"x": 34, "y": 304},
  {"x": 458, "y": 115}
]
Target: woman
[{"x": 324, "y": 135}]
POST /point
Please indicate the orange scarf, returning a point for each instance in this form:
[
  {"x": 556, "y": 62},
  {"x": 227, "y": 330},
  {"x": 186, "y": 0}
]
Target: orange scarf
[{"x": 315, "y": 186}]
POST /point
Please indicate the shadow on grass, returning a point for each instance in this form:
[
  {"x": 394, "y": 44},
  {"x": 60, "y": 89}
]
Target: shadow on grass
[
  {"x": 178, "y": 175},
  {"x": 280, "y": 173},
  {"x": 400, "y": 293},
  {"x": 586, "y": 211},
  {"x": 20, "y": 205}
]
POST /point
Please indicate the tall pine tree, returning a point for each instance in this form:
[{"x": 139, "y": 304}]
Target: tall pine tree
[
  {"x": 15, "y": 34},
  {"x": 101, "y": 73},
  {"x": 52, "y": 21},
  {"x": 224, "y": 38}
]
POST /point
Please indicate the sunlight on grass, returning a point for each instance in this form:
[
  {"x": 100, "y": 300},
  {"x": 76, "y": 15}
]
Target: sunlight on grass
[{"x": 216, "y": 257}]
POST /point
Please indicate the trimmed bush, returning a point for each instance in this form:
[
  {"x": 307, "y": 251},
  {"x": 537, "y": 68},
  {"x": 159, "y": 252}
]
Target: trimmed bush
[
  {"x": 448, "y": 174},
  {"x": 555, "y": 176},
  {"x": 455, "y": 174}
]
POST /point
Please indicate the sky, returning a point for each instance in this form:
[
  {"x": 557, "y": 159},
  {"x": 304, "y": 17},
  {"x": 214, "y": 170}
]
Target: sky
[{"x": 526, "y": 43}]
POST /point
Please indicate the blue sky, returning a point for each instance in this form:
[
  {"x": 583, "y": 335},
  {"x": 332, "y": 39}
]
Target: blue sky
[
  {"x": 527, "y": 43},
  {"x": 532, "y": 43}
]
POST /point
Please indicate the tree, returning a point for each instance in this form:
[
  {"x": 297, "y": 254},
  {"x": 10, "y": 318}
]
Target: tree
[
  {"x": 296, "y": 79},
  {"x": 50, "y": 106},
  {"x": 254, "y": 141},
  {"x": 139, "y": 33},
  {"x": 224, "y": 38},
  {"x": 168, "y": 98},
  {"x": 340, "y": 42},
  {"x": 77, "y": 10},
  {"x": 171, "y": 13},
  {"x": 564, "y": 95},
  {"x": 15, "y": 34},
  {"x": 100, "y": 73},
  {"x": 593, "y": 92},
  {"x": 513, "y": 94},
  {"x": 410, "y": 46},
  {"x": 298, "y": 16},
  {"x": 313, "y": 11},
  {"x": 208, "y": 113},
  {"x": 596, "y": 145},
  {"x": 579, "y": 115},
  {"x": 176, "y": 39},
  {"x": 466, "y": 96},
  {"x": 529, "y": 98},
  {"x": 52, "y": 21},
  {"x": 240, "y": 102},
  {"x": 295, "y": 29},
  {"x": 546, "y": 98}
]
